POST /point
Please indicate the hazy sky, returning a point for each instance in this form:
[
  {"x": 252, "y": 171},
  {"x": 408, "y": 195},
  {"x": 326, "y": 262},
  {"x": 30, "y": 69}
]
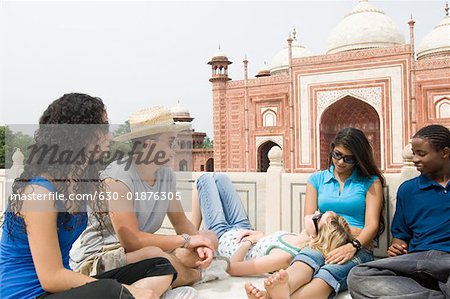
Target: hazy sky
[{"x": 139, "y": 54}]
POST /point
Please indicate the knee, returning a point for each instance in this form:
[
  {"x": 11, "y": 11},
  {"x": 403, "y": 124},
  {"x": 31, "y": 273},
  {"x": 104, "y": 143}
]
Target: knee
[
  {"x": 150, "y": 252},
  {"x": 204, "y": 179},
  {"x": 355, "y": 277},
  {"x": 220, "y": 178},
  {"x": 110, "y": 288},
  {"x": 211, "y": 236},
  {"x": 182, "y": 254}
]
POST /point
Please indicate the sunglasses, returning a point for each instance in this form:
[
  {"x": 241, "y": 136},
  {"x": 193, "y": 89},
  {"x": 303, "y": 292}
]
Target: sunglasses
[
  {"x": 347, "y": 159},
  {"x": 316, "y": 219}
]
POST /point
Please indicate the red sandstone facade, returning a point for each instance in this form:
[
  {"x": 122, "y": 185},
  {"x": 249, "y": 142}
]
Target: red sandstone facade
[
  {"x": 191, "y": 154},
  {"x": 384, "y": 90}
]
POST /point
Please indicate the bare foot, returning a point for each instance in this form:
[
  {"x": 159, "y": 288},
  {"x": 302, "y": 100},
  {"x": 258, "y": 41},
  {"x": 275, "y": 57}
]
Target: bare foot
[
  {"x": 254, "y": 293},
  {"x": 277, "y": 285}
]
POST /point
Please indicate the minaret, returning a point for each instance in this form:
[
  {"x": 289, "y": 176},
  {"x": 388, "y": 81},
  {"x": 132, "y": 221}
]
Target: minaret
[
  {"x": 246, "y": 129},
  {"x": 411, "y": 23},
  {"x": 219, "y": 65},
  {"x": 291, "y": 105},
  {"x": 219, "y": 78}
]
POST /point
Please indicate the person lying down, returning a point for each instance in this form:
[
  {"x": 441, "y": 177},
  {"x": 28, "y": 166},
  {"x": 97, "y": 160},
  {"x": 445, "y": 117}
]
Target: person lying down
[{"x": 251, "y": 252}]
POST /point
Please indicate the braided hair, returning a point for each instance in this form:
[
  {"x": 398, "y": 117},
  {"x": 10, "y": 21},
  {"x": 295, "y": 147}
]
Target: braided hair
[{"x": 438, "y": 136}]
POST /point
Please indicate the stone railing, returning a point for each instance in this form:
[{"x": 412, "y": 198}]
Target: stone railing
[{"x": 273, "y": 200}]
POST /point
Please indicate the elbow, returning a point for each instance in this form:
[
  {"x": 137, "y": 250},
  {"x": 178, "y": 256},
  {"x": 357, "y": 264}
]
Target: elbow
[
  {"x": 129, "y": 240},
  {"x": 233, "y": 271},
  {"x": 131, "y": 245},
  {"x": 49, "y": 283}
]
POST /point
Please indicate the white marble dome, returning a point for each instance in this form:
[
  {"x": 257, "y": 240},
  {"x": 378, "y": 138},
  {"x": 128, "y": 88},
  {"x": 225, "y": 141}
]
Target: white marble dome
[
  {"x": 218, "y": 55},
  {"x": 179, "y": 111},
  {"x": 364, "y": 27},
  {"x": 437, "y": 42},
  {"x": 280, "y": 61},
  {"x": 263, "y": 71}
]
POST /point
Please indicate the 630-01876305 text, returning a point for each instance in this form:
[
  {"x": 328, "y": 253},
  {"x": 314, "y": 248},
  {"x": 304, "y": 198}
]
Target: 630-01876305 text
[{"x": 99, "y": 196}]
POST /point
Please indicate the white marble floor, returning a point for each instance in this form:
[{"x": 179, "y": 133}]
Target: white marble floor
[{"x": 233, "y": 288}]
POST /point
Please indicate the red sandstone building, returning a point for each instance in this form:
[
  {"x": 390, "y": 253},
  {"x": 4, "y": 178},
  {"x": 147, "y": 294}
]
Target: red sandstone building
[
  {"x": 369, "y": 78},
  {"x": 191, "y": 154}
]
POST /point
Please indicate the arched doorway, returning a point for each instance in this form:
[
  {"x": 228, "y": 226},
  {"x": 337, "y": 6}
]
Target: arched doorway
[
  {"x": 183, "y": 165},
  {"x": 349, "y": 112},
  {"x": 210, "y": 165},
  {"x": 263, "y": 151}
]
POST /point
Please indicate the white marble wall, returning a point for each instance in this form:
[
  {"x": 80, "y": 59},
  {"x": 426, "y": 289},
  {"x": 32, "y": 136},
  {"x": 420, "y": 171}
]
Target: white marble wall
[{"x": 274, "y": 200}]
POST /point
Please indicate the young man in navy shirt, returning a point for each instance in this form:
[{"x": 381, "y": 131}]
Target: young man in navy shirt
[{"x": 419, "y": 263}]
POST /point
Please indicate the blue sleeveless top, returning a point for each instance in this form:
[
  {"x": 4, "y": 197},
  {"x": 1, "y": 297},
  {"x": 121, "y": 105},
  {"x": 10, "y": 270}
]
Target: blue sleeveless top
[
  {"x": 17, "y": 273},
  {"x": 350, "y": 203}
]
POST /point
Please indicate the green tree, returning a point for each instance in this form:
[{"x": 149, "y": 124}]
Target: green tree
[
  {"x": 2, "y": 146},
  {"x": 122, "y": 129},
  {"x": 9, "y": 141},
  {"x": 208, "y": 143},
  {"x": 116, "y": 146}
]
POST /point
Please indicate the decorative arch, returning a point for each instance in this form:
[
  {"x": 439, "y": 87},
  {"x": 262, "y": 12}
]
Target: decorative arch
[
  {"x": 269, "y": 118},
  {"x": 278, "y": 139},
  {"x": 263, "y": 152},
  {"x": 210, "y": 165},
  {"x": 349, "y": 112},
  {"x": 443, "y": 108},
  {"x": 183, "y": 165}
]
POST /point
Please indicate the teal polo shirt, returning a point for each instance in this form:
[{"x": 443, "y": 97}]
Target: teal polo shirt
[
  {"x": 422, "y": 215},
  {"x": 350, "y": 203}
]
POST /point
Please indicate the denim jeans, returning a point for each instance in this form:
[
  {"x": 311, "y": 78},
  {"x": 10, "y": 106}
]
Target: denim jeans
[
  {"x": 220, "y": 204},
  {"x": 334, "y": 275},
  {"x": 418, "y": 275}
]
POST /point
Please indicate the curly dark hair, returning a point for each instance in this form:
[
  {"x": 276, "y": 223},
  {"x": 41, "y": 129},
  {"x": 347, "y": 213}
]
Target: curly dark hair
[{"x": 71, "y": 125}]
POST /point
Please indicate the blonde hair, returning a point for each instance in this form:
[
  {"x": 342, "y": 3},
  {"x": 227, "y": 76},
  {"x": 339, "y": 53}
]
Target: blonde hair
[{"x": 335, "y": 233}]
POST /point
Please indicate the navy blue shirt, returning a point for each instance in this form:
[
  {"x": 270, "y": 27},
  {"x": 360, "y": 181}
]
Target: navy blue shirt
[{"x": 422, "y": 215}]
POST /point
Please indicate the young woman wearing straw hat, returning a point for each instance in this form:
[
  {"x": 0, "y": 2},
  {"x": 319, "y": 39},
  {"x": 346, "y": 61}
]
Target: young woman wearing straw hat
[{"x": 139, "y": 182}]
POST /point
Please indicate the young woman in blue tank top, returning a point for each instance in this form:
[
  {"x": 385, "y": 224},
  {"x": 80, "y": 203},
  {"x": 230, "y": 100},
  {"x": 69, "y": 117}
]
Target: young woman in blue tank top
[
  {"x": 42, "y": 220},
  {"x": 352, "y": 188}
]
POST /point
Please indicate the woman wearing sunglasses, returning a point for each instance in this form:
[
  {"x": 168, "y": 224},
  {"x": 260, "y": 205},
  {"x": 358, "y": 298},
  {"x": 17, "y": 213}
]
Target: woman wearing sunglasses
[{"x": 352, "y": 188}]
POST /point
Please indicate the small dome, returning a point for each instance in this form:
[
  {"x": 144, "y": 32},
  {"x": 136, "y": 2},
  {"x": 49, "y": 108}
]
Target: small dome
[
  {"x": 280, "y": 61},
  {"x": 263, "y": 71},
  {"x": 219, "y": 56},
  {"x": 364, "y": 27},
  {"x": 437, "y": 42},
  {"x": 179, "y": 111}
]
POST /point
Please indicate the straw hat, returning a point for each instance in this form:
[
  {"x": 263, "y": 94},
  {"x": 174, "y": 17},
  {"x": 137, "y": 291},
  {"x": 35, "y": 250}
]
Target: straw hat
[{"x": 152, "y": 121}]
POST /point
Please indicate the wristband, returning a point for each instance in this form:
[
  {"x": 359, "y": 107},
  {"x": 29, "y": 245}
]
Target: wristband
[
  {"x": 251, "y": 243},
  {"x": 356, "y": 244},
  {"x": 187, "y": 239}
]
